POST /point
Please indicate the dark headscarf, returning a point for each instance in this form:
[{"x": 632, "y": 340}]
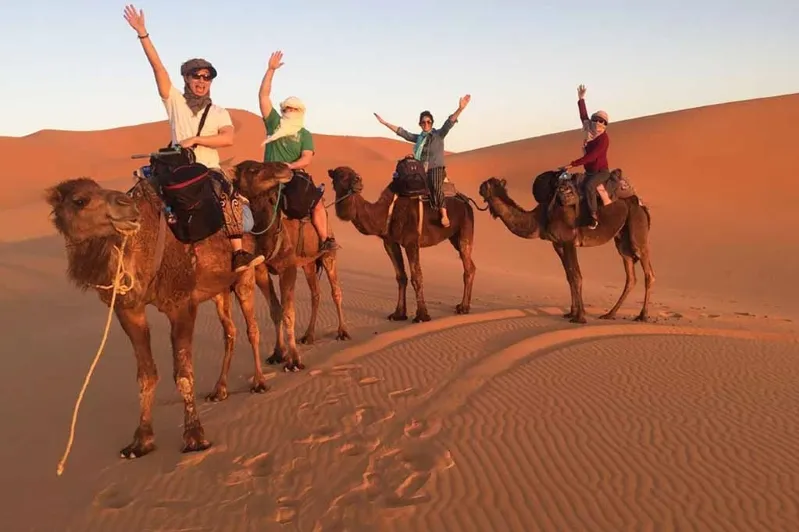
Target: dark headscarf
[{"x": 195, "y": 103}]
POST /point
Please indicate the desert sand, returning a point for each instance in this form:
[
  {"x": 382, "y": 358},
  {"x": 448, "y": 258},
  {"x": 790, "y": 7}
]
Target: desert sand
[{"x": 509, "y": 418}]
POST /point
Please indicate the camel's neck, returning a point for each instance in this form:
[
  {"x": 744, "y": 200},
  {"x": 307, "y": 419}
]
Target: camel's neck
[
  {"x": 92, "y": 262},
  {"x": 368, "y": 218},
  {"x": 519, "y": 221},
  {"x": 265, "y": 215}
]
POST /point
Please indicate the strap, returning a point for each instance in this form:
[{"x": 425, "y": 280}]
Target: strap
[{"x": 202, "y": 119}]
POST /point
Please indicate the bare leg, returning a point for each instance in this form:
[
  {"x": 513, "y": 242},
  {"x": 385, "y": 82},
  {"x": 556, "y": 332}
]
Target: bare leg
[
  {"x": 313, "y": 285},
  {"x": 559, "y": 249},
  {"x": 464, "y": 247},
  {"x": 245, "y": 294},
  {"x": 329, "y": 264},
  {"x": 395, "y": 254},
  {"x": 223, "y": 310},
  {"x": 319, "y": 220},
  {"x": 182, "y": 322},
  {"x": 134, "y": 323},
  {"x": 417, "y": 280},
  {"x": 288, "y": 282},
  {"x": 267, "y": 287}
]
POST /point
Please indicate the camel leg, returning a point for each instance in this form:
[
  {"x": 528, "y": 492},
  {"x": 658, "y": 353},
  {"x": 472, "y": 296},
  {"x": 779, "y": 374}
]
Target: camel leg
[
  {"x": 417, "y": 281},
  {"x": 560, "y": 250},
  {"x": 182, "y": 321},
  {"x": 576, "y": 284},
  {"x": 245, "y": 294},
  {"x": 313, "y": 285},
  {"x": 134, "y": 323},
  {"x": 463, "y": 246},
  {"x": 288, "y": 281},
  {"x": 395, "y": 254},
  {"x": 629, "y": 276},
  {"x": 225, "y": 313},
  {"x": 267, "y": 287},
  {"x": 649, "y": 280},
  {"x": 329, "y": 264}
]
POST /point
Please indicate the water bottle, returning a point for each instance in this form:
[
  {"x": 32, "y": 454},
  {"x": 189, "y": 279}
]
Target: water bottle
[{"x": 171, "y": 219}]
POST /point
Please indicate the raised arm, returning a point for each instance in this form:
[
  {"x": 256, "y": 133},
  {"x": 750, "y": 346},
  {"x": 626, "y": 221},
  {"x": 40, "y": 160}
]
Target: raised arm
[
  {"x": 581, "y": 103},
  {"x": 136, "y": 21},
  {"x": 265, "y": 92},
  {"x": 453, "y": 118},
  {"x": 410, "y": 137}
]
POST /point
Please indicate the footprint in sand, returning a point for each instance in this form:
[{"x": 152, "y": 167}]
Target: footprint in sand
[
  {"x": 112, "y": 498},
  {"x": 258, "y": 466},
  {"x": 358, "y": 445},
  {"x": 323, "y": 434},
  {"x": 422, "y": 429},
  {"x": 367, "y": 415},
  {"x": 396, "y": 394}
]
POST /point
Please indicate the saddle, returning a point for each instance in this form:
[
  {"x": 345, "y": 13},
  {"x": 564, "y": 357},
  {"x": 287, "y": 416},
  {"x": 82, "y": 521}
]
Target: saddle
[
  {"x": 299, "y": 197},
  {"x": 193, "y": 197},
  {"x": 571, "y": 188},
  {"x": 410, "y": 180}
]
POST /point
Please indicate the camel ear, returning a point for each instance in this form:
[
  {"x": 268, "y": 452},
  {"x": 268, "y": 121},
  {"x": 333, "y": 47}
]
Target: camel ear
[
  {"x": 503, "y": 182},
  {"x": 330, "y": 174},
  {"x": 53, "y": 197}
]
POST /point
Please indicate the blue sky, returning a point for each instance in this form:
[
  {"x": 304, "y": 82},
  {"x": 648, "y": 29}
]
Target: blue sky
[{"x": 78, "y": 65}]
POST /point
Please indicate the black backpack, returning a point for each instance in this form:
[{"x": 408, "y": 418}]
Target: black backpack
[{"x": 410, "y": 178}]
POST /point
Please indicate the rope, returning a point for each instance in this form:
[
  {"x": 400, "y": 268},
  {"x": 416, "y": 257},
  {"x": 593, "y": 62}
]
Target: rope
[
  {"x": 274, "y": 211},
  {"x": 120, "y": 286}
]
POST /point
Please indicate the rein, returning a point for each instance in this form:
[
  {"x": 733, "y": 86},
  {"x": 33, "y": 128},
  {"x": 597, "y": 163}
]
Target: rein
[{"x": 274, "y": 212}]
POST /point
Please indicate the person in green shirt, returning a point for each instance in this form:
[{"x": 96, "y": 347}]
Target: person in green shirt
[{"x": 288, "y": 141}]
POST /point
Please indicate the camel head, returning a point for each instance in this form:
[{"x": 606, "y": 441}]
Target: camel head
[
  {"x": 253, "y": 178},
  {"x": 83, "y": 210},
  {"x": 494, "y": 188},
  {"x": 345, "y": 181}
]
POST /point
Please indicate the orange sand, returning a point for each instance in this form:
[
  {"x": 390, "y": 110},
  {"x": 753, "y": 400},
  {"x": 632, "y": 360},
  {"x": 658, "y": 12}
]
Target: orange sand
[{"x": 509, "y": 418}]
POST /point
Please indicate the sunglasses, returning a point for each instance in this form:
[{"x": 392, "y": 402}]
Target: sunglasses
[
  {"x": 425, "y": 121},
  {"x": 600, "y": 120},
  {"x": 204, "y": 77}
]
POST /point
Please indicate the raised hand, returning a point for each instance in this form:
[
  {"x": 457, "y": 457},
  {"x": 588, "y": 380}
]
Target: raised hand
[
  {"x": 135, "y": 19},
  {"x": 581, "y": 92},
  {"x": 464, "y": 101},
  {"x": 276, "y": 60},
  {"x": 380, "y": 119}
]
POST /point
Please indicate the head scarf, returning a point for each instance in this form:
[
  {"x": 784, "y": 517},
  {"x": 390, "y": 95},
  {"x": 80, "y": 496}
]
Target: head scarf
[
  {"x": 195, "y": 103},
  {"x": 592, "y": 130},
  {"x": 291, "y": 122}
]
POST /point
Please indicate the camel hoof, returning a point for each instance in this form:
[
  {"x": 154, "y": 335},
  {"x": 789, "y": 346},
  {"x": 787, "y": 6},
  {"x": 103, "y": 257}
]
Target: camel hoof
[
  {"x": 568, "y": 315},
  {"x": 642, "y": 318},
  {"x": 343, "y": 335},
  {"x": 293, "y": 367},
  {"x": 276, "y": 358},
  {"x": 137, "y": 449},
  {"x": 194, "y": 441},
  {"x": 461, "y": 309},
  {"x": 608, "y": 316},
  {"x": 578, "y": 319},
  {"x": 396, "y": 316},
  {"x": 308, "y": 339},
  {"x": 220, "y": 394},
  {"x": 421, "y": 318},
  {"x": 261, "y": 387}
]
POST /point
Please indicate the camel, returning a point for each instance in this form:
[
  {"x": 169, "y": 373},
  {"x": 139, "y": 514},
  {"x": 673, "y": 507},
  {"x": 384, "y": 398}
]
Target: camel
[
  {"x": 164, "y": 273},
  {"x": 395, "y": 219},
  {"x": 558, "y": 218},
  {"x": 287, "y": 244}
]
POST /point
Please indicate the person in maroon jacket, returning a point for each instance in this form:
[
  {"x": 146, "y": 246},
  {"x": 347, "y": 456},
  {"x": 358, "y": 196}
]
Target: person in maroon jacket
[{"x": 595, "y": 147}]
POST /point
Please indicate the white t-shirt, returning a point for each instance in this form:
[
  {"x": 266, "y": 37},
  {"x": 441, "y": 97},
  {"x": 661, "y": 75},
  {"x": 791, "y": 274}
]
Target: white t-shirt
[{"x": 183, "y": 124}]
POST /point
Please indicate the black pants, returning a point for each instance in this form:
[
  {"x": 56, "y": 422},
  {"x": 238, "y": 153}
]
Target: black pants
[
  {"x": 593, "y": 180},
  {"x": 436, "y": 177}
]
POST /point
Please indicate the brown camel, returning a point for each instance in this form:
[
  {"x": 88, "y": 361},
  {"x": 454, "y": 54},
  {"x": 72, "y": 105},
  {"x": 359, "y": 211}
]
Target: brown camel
[
  {"x": 287, "y": 245},
  {"x": 396, "y": 221},
  {"x": 166, "y": 274},
  {"x": 559, "y": 217}
]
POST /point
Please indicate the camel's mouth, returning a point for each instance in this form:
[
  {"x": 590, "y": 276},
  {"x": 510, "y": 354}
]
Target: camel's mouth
[{"x": 126, "y": 227}]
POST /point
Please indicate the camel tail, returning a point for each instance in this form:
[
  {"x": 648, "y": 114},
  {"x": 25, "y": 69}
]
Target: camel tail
[
  {"x": 646, "y": 210},
  {"x": 320, "y": 264}
]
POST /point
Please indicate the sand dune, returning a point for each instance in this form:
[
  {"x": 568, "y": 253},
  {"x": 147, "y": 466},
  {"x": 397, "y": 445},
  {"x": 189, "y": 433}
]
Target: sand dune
[{"x": 509, "y": 418}]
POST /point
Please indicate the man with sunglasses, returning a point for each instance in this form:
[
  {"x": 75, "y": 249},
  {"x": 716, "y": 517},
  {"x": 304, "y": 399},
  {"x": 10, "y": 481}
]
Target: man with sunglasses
[
  {"x": 185, "y": 111},
  {"x": 595, "y": 147},
  {"x": 429, "y": 149},
  {"x": 288, "y": 141}
]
